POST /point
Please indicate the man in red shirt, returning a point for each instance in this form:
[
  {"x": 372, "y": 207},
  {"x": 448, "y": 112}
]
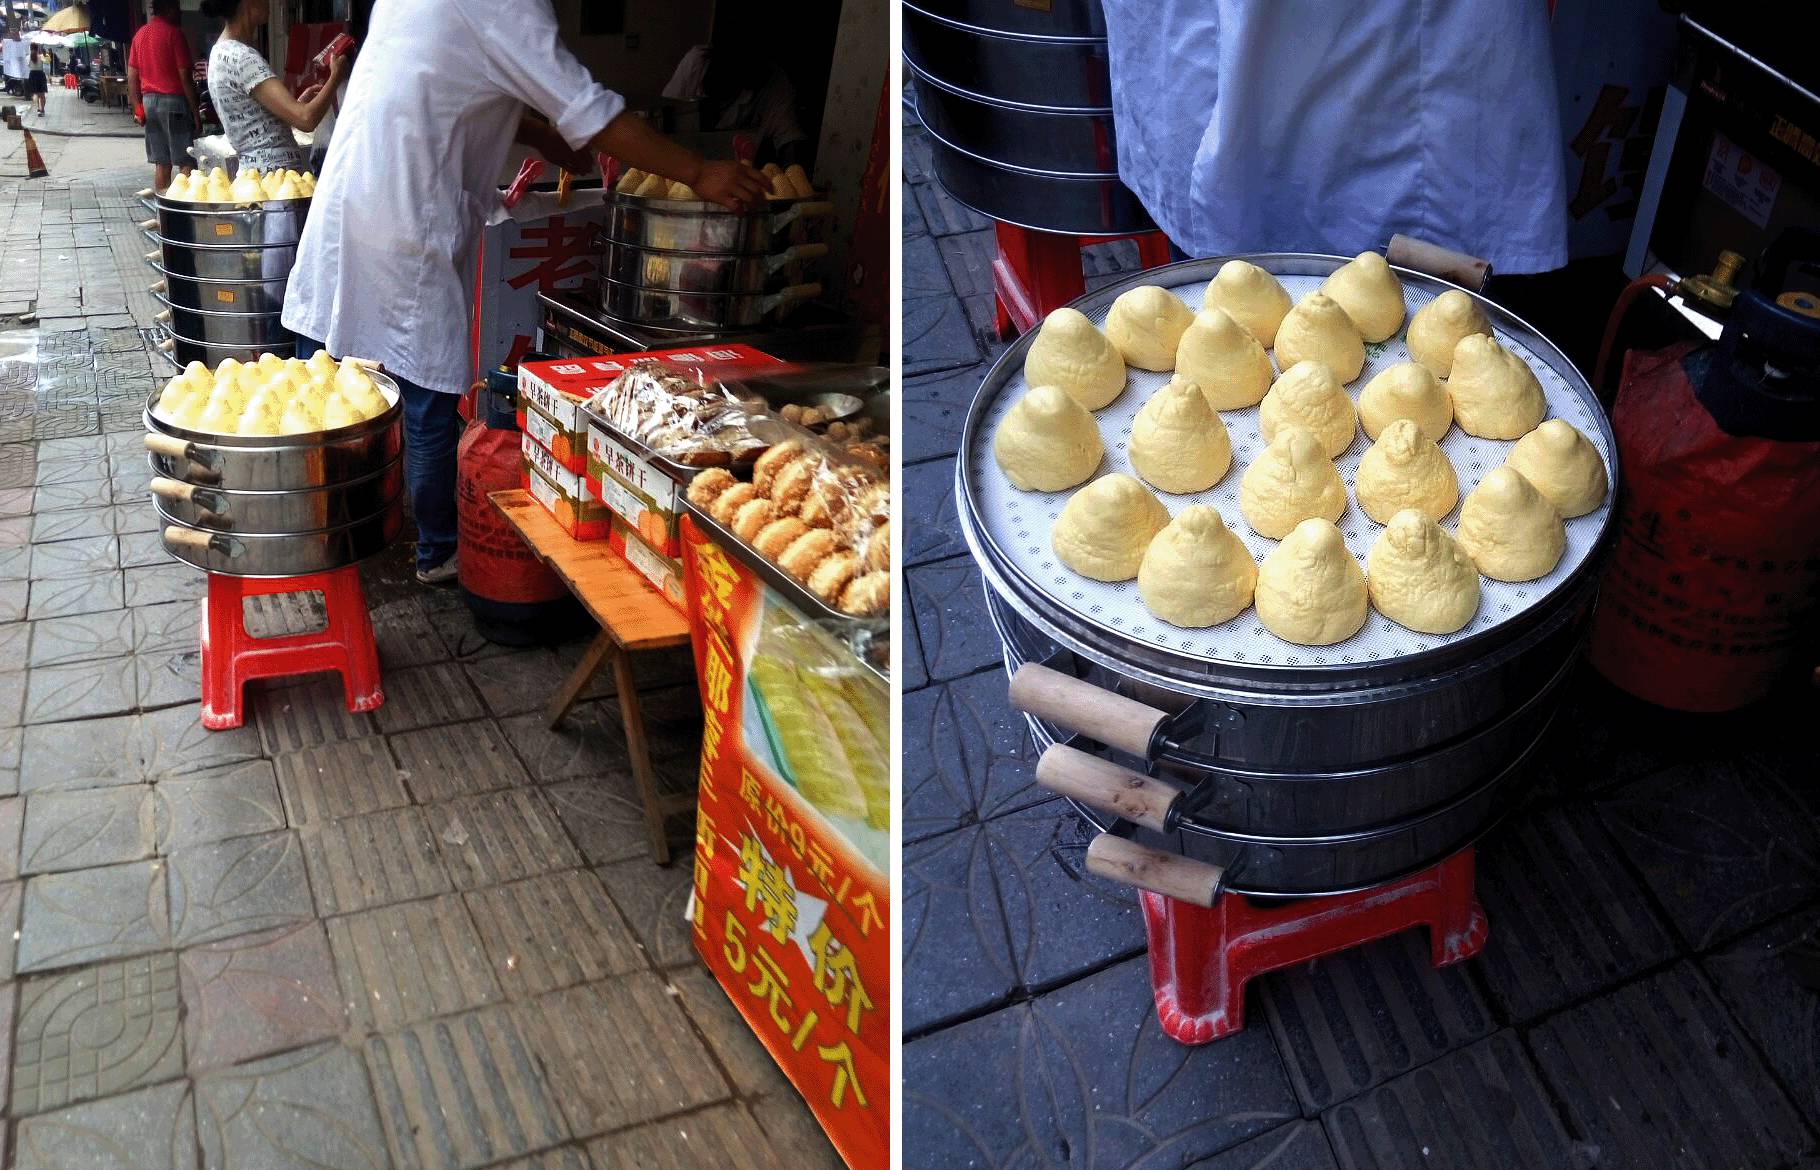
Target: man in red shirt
[{"x": 163, "y": 95}]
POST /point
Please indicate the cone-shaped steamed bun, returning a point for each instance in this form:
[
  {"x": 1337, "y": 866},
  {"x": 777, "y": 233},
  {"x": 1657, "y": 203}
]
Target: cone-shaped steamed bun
[
  {"x": 1405, "y": 469},
  {"x": 1563, "y": 465},
  {"x": 1420, "y": 577},
  {"x": 1318, "y": 330},
  {"x": 1309, "y": 394},
  {"x": 1438, "y": 326},
  {"x": 1406, "y": 390},
  {"x": 1289, "y": 482},
  {"x": 1047, "y": 442},
  {"x": 1310, "y": 591},
  {"x": 1196, "y": 572},
  {"x": 1509, "y": 529},
  {"x": 1232, "y": 368},
  {"x": 1178, "y": 444},
  {"x": 1253, "y": 298},
  {"x": 1105, "y": 527},
  {"x": 1146, "y": 324},
  {"x": 1370, "y": 293},
  {"x": 1495, "y": 393},
  {"x": 1071, "y": 353}
]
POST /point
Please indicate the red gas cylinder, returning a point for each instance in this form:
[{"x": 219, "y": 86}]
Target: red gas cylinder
[{"x": 1715, "y": 581}]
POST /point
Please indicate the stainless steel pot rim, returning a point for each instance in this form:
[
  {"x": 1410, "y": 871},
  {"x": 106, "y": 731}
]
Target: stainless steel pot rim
[
  {"x": 1057, "y": 176},
  {"x": 205, "y": 439},
  {"x": 677, "y": 292},
  {"x": 189, "y": 207},
  {"x": 169, "y": 275},
  {"x": 680, "y": 330},
  {"x": 254, "y": 348},
  {"x": 292, "y": 245},
  {"x": 385, "y": 469},
  {"x": 702, "y": 207},
  {"x": 1002, "y": 103},
  {"x": 389, "y": 506},
  {"x": 998, "y": 34},
  {"x": 165, "y": 300}
]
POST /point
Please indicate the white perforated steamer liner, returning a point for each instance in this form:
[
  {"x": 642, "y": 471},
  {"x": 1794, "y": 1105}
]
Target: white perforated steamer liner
[{"x": 1017, "y": 523}]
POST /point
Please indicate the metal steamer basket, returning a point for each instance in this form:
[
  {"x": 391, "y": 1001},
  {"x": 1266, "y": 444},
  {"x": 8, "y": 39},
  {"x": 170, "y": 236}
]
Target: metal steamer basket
[
  {"x": 1264, "y": 767},
  {"x": 223, "y": 270},
  {"x": 279, "y": 505}
]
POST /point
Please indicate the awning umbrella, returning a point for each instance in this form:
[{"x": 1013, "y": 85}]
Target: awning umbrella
[
  {"x": 85, "y": 40},
  {"x": 49, "y": 39},
  {"x": 66, "y": 20}
]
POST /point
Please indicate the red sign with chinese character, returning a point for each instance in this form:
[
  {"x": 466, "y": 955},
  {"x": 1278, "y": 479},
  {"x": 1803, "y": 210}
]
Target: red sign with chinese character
[{"x": 792, "y": 895}]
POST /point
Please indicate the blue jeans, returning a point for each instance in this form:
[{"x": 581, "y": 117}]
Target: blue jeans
[{"x": 432, "y": 429}]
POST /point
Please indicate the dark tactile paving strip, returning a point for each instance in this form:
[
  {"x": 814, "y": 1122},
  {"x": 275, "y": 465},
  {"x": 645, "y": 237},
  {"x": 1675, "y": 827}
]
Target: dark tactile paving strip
[
  {"x": 462, "y": 1092},
  {"x": 980, "y": 761},
  {"x": 1349, "y": 1022},
  {"x": 306, "y": 715},
  {"x": 619, "y": 1053},
  {"x": 89, "y": 827},
  {"x": 223, "y": 888},
  {"x": 1567, "y": 919},
  {"x": 88, "y": 915},
  {"x": 1480, "y": 1107},
  {"x": 653, "y": 899},
  {"x": 725, "y": 1135},
  {"x": 956, "y": 952},
  {"x": 968, "y": 258},
  {"x": 1658, "y": 1074},
  {"x": 342, "y": 779},
  {"x": 754, "y": 1071},
  {"x": 411, "y": 962},
  {"x": 259, "y": 993},
  {"x": 586, "y": 745},
  {"x": 96, "y": 1031},
  {"x": 1722, "y": 849},
  {"x": 377, "y": 859},
  {"x": 309, "y": 1108},
  {"x": 1300, "y": 1145},
  {"x": 422, "y": 696},
  {"x": 951, "y": 618},
  {"x": 552, "y": 931},
  {"x": 564, "y": 1158},
  {"x": 404, "y": 635},
  {"x": 499, "y": 837},
  {"x": 606, "y": 819},
  {"x": 1771, "y": 982},
  {"x": 151, "y": 1129},
  {"x": 461, "y": 759},
  {"x": 237, "y": 801},
  {"x": 1061, "y": 920},
  {"x": 512, "y": 684}
]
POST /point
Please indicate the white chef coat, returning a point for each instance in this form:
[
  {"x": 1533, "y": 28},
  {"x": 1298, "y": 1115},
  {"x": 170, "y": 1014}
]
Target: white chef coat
[
  {"x": 1317, "y": 126},
  {"x": 385, "y": 269}
]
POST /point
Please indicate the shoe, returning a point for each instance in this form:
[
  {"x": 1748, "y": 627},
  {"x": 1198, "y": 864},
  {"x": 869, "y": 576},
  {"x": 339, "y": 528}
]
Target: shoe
[{"x": 443, "y": 574}]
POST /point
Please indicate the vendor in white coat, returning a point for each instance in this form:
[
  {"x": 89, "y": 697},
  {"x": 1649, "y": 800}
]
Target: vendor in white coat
[
  {"x": 1308, "y": 126},
  {"x": 385, "y": 269}
]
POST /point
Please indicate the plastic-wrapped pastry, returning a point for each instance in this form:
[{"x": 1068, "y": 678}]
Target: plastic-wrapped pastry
[
  {"x": 1495, "y": 393},
  {"x": 1196, "y": 573},
  {"x": 867, "y": 594},
  {"x": 1070, "y": 353},
  {"x": 781, "y": 188},
  {"x": 776, "y": 537},
  {"x": 1047, "y": 442},
  {"x": 729, "y": 501},
  {"x": 1178, "y": 444},
  {"x": 1105, "y": 527},
  {"x": 1319, "y": 330},
  {"x": 792, "y": 485},
  {"x": 1224, "y": 359},
  {"x": 830, "y": 578},
  {"x": 1420, "y": 578},
  {"x": 1252, "y": 297},
  {"x": 1563, "y": 465},
  {"x": 705, "y": 488},
  {"x": 1370, "y": 293},
  {"x": 878, "y": 548},
  {"x": 800, "y": 185},
  {"x": 770, "y": 170},
  {"x": 1145, "y": 324},
  {"x": 807, "y": 551},
  {"x": 1509, "y": 529},
  {"x": 765, "y": 469},
  {"x": 1406, "y": 390},
  {"x": 1310, "y": 591},
  {"x": 1439, "y": 325},
  {"x": 751, "y": 517},
  {"x": 1292, "y": 480},
  {"x": 1309, "y": 394},
  {"x": 1405, "y": 469}
]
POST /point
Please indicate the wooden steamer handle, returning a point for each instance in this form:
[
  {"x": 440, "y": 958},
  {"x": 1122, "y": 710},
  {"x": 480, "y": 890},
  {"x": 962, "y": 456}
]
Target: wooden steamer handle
[
  {"x": 167, "y": 445},
  {"x": 1464, "y": 270},
  {"x": 1118, "y": 791},
  {"x": 172, "y": 489},
  {"x": 1081, "y": 707},
  {"x": 189, "y": 538},
  {"x": 1169, "y": 874}
]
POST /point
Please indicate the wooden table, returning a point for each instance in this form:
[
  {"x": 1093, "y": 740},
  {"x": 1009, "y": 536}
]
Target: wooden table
[{"x": 633, "y": 616}]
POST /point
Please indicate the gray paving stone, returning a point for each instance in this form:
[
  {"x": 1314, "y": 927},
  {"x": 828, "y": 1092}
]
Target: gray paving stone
[
  {"x": 513, "y": 684},
  {"x": 68, "y": 596},
  {"x": 981, "y": 760},
  {"x": 653, "y": 899},
  {"x": 373, "y": 860},
  {"x": 173, "y": 742},
  {"x": 957, "y": 955},
  {"x": 499, "y": 837},
  {"x": 96, "y": 1031},
  {"x": 90, "y": 827},
  {"x": 83, "y": 691},
  {"x": 1300, "y": 1145},
  {"x": 411, "y": 962},
  {"x": 422, "y": 696},
  {"x": 306, "y": 715},
  {"x": 1767, "y": 981},
  {"x": 14, "y": 599},
  {"x": 83, "y": 638},
  {"x": 460, "y": 759},
  {"x": 295, "y": 1111},
  {"x": 152, "y": 1129},
  {"x": 155, "y": 584},
  {"x": 258, "y": 993},
  {"x": 588, "y": 744},
  {"x": 225, "y": 888},
  {"x": 341, "y": 779},
  {"x": 725, "y": 1135},
  {"x": 236, "y": 801},
  {"x": 755, "y": 1073},
  {"x": 12, "y": 817},
  {"x": 951, "y": 620},
  {"x": 142, "y": 517},
  {"x": 83, "y": 557},
  {"x": 143, "y": 548},
  {"x": 462, "y": 1092},
  {"x": 10, "y": 893},
  {"x": 605, "y": 819},
  {"x": 564, "y": 1158},
  {"x": 170, "y": 628},
  {"x": 51, "y": 526},
  {"x": 167, "y": 679},
  {"x": 548, "y": 932},
  {"x": 619, "y": 1053},
  {"x": 13, "y": 686},
  {"x": 92, "y": 914},
  {"x": 935, "y": 409}
]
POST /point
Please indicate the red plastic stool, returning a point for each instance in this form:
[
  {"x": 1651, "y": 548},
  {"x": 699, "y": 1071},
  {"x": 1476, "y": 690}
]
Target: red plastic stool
[
  {"x": 1036, "y": 272},
  {"x": 1201, "y": 959},
  {"x": 231, "y": 657}
]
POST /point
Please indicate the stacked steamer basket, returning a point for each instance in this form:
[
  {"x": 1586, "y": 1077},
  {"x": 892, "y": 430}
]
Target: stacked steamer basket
[{"x": 1283, "y": 769}]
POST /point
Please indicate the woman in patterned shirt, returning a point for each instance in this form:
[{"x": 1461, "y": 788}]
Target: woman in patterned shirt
[{"x": 256, "y": 108}]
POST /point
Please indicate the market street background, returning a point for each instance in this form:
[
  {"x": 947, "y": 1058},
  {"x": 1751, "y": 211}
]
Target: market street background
[
  {"x": 1649, "y": 996},
  {"x": 430, "y": 936}
]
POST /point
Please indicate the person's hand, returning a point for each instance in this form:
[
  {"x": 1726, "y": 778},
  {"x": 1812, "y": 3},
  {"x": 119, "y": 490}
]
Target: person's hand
[
  {"x": 310, "y": 92},
  {"x": 139, "y": 112},
  {"x": 339, "y": 65},
  {"x": 733, "y": 185}
]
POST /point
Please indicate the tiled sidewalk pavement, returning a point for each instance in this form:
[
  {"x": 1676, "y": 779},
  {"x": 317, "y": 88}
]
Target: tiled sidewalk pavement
[
  {"x": 424, "y": 937},
  {"x": 1639, "y": 1004}
]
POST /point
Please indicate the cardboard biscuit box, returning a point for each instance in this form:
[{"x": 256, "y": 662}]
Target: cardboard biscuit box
[
  {"x": 664, "y": 573},
  {"x": 554, "y": 438},
  {"x": 562, "y": 494},
  {"x": 642, "y": 495}
]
